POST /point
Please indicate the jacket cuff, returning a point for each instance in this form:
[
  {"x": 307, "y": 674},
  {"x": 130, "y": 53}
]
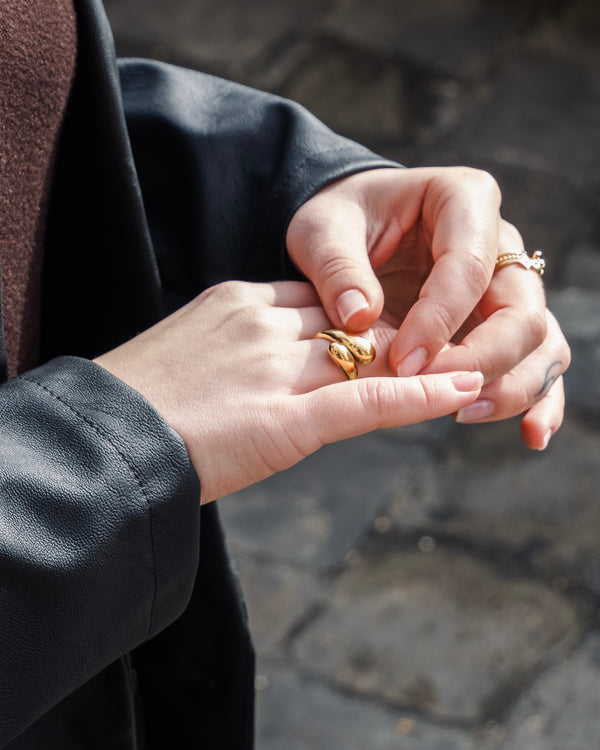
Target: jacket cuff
[{"x": 156, "y": 459}]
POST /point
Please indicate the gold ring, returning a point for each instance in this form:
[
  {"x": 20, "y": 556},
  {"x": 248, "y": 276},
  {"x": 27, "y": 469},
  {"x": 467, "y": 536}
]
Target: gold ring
[
  {"x": 535, "y": 263},
  {"x": 346, "y": 350}
]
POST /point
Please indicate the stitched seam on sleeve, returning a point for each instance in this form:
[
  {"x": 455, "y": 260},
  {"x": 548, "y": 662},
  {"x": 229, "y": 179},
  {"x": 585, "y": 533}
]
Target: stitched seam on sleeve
[{"x": 108, "y": 438}]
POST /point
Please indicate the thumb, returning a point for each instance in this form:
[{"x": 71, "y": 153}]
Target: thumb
[{"x": 327, "y": 240}]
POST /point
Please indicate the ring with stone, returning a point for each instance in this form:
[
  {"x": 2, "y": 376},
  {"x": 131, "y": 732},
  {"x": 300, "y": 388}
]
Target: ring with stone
[{"x": 535, "y": 262}]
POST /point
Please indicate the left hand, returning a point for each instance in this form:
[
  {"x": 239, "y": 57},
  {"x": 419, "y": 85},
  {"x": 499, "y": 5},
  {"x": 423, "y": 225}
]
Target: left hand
[
  {"x": 238, "y": 374},
  {"x": 419, "y": 246}
]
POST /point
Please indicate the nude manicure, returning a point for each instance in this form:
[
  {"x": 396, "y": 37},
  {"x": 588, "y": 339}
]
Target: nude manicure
[
  {"x": 480, "y": 409},
  {"x": 546, "y": 440},
  {"x": 413, "y": 363},
  {"x": 467, "y": 382},
  {"x": 349, "y": 303}
]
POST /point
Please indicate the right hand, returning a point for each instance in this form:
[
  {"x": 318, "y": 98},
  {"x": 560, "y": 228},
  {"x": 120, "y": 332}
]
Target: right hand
[
  {"x": 421, "y": 245},
  {"x": 238, "y": 374}
]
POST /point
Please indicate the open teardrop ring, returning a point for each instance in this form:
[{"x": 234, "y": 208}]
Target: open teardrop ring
[{"x": 346, "y": 350}]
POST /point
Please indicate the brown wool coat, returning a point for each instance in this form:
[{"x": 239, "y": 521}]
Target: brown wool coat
[{"x": 37, "y": 64}]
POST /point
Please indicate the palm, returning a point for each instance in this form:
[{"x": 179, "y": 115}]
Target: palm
[{"x": 403, "y": 275}]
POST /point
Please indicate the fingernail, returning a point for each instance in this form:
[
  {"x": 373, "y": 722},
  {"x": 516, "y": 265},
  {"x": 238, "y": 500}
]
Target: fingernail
[
  {"x": 349, "y": 303},
  {"x": 467, "y": 382},
  {"x": 412, "y": 363},
  {"x": 480, "y": 409},
  {"x": 546, "y": 440}
]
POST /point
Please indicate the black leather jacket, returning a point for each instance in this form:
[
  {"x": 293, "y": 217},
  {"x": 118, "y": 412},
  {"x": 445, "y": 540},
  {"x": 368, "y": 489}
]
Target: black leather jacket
[{"x": 121, "y": 624}]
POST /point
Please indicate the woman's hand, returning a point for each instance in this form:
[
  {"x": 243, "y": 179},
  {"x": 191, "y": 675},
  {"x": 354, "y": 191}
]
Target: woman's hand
[
  {"x": 420, "y": 246},
  {"x": 238, "y": 374}
]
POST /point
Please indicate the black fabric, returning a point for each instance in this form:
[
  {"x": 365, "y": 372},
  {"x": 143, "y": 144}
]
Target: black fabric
[
  {"x": 196, "y": 678},
  {"x": 99, "y": 545},
  {"x": 223, "y": 169},
  {"x": 81, "y": 720},
  {"x": 121, "y": 623},
  {"x": 101, "y": 280}
]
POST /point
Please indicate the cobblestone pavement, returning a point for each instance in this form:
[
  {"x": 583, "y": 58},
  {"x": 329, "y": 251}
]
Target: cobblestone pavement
[{"x": 448, "y": 597}]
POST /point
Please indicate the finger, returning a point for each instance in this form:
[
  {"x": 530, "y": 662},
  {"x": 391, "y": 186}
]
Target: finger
[
  {"x": 328, "y": 242},
  {"x": 319, "y": 369},
  {"x": 303, "y": 361},
  {"x": 243, "y": 293},
  {"x": 290, "y": 324},
  {"x": 463, "y": 217},
  {"x": 289, "y": 294},
  {"x": 298, "y": 323},
  {"x": 516, "y": 327},
  {"x": 542, "y": 421},
  {"x": 520, "y": 389},
  {"x": 344, "y": 410}
]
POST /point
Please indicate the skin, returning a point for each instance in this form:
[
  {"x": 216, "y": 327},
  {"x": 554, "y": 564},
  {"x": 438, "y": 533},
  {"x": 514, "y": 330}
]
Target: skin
[
  {"x": 421, "y": 245},
  {"x": 239, "y": 375},
  {"x": 407, "y": 256}
]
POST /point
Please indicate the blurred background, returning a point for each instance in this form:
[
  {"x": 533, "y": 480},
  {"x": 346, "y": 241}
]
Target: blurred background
[{"x": 434, "y": 587}]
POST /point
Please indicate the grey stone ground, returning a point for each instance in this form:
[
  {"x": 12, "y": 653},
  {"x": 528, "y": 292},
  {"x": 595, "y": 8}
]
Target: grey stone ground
[{"x": 449, "y": 598}]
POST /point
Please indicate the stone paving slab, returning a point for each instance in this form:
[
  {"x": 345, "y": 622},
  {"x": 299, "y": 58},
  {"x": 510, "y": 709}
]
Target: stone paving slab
[
  {"x": 492, "y": 491},
  {"x": 572, "y": 33},
  {"x": 459, "y": 39},
  {"x": 578, "y": 311},
  {"x": 360, "y": 96},
  {"x": 561, "y": 710},
  {"x": 437, "y": 632},
  {"x": 298, "y": 714},
  {"x": 316, "y": 511},
  {"x": 538, "y": 104},
  {"x": 279, "y": 596},
  {"x": 582, "y": 269},
  {"x": 230, "y": 37}
]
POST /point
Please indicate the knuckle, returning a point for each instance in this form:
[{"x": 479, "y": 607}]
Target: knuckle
[
  {"x": 538, "y": 328},
  {"x": 564, "y": 350},
  {"x": 480, "y": 271},
  {"x": 566, "y": 356},
  {"x": 479, "y": 362},
  {"x": 478, "y": 182},
  {"x": 227, "y": 296},
  {"x": 519, "y": 399},
  {"x": 257, "y": 320},
  {"x": 510, "y": 236},
  {"x": 486, "y": 184},
  {"x": 430, "y": 393},
  {"x": 335, "y": 266},
  {"x": 232, "y": 289},
  {"x": 376, "y": 398},
  {"x": 440, "y": 319}
]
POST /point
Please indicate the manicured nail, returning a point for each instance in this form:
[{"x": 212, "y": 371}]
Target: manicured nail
[
  {"x": 349, "y": 303},
  {"x": 413, "y": 363},
  {"x": 546, "y": 440},
  {"x": 480, "y": 409},
  {"x": 467, "y": 382}
]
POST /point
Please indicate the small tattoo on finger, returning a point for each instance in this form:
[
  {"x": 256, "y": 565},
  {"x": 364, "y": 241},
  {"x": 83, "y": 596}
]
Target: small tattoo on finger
[{"x": 550, "y": 377}]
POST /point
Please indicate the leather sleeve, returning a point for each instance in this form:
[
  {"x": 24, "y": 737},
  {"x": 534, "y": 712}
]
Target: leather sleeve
[
  {"x": 222, "y": 169},
  {"x": 100, "y": 521}
]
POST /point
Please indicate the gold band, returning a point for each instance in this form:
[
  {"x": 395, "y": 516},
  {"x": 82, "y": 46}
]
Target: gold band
[
  {"x": 535, "y": 263},
  {"x": 346, "y": 350}
]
